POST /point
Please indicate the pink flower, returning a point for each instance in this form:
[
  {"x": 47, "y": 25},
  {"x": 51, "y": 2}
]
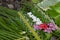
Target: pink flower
[
  {"x": 48, "y": 30},
  {"x": 52, "y": 26},
  {"x": 36, "y": 27}
]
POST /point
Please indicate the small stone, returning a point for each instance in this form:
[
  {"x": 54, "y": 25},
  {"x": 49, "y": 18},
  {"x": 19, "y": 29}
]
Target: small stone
[{"x": 10, "y": 6}]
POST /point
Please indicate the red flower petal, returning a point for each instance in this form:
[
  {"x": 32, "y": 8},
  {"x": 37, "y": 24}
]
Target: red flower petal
[{"x": 43, "y": 26}]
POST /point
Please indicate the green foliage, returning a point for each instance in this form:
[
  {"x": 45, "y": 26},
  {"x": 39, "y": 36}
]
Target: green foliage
[
  {"x": 54, "y": 13},
  {"x": 45, "y": 4},
  {"x": 12, "y": 25}
]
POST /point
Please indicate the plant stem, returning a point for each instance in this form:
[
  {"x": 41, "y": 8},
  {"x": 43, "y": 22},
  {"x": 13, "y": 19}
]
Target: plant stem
[{"x": 28, "y": 25}]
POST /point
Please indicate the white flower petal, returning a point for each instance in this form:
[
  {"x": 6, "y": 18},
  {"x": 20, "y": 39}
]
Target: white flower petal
[
  {"x": 38, "y": 22},
  {"x": 38, "y": 19},
  {"x": 33, "y": 17},
  {"x": 30, "y": 13},
  {"x": 34, "y": 20},
  {"x": 23, "y": 32}
]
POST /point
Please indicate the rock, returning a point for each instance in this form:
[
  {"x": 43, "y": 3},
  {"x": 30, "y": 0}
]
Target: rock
[
  {"x": 53, "y": 38},
  {"x": 10, "y": 6}
]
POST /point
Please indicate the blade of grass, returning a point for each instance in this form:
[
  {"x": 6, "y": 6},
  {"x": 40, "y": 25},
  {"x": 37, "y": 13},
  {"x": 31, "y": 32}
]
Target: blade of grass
[{"x": 30, "y": 28}]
